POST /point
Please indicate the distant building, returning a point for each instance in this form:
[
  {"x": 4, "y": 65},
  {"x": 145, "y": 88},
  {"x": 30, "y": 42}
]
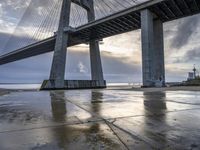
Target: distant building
[
  {"x": 191, "y": 76},
  {"x": 194, "y": 71}
]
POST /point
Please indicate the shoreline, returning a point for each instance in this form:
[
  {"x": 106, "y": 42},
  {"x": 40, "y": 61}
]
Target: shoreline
[
  {"x": 173, "y": 88},
  {"x": 126, "y": 88},
  {"x": 4, "y": 91}
]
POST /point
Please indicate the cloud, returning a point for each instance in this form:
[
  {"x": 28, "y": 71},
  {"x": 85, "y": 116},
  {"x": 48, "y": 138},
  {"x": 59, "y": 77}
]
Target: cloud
[
  {"x": 1, "y": 10},
  {"x": 82, "y": 68},
  {"x": 186, "y": 28},
  {"x": 77, "y": 67},
  {"x": 112, "y": 64},
  {"x": 192, "y": 55},
  {"x": 11, "y": 42}
]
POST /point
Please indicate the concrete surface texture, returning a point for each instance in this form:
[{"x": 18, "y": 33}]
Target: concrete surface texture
[
  {"x": 153, "y": 68},
  {"x": 100, "y": 119},
  {"x": 59, "y": 58},
  {"x": 95, "y": 57}
]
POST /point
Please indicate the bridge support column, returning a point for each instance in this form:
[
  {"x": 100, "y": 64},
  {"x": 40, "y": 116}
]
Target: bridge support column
[
  {"x": 57, "y": 74},
  {"x": 96, "y": 66},
  {"x": 152, "y": 50},
  {"x": 95, "y": 57}
]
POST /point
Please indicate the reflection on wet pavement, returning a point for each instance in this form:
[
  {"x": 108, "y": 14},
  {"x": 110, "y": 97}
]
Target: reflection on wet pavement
[{"x": 100, "y": 119}]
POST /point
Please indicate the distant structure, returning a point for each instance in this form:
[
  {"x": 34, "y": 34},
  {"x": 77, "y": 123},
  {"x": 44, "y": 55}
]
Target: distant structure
[
  {"x": 194, "y": 70},
  {"x": 192, "y": 75},
  {"x": 193, "y": 78}
]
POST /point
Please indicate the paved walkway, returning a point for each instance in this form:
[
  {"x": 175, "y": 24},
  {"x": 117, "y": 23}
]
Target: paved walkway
[{"x": 100, "y": 119}]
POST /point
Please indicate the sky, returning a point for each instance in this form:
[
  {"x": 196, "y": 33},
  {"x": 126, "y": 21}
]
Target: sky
[{"x": 121, "y": 54}]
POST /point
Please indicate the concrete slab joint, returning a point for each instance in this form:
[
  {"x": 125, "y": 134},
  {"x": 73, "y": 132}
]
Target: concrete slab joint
[{"x": 152, "y": 50}]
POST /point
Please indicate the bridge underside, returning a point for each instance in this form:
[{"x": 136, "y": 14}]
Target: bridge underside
[{"x": 121, "y": 22}]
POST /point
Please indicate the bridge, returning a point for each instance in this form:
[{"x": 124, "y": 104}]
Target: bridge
[{"x": 148, "y": 16}]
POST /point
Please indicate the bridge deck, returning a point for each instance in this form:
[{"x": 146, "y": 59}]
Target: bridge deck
[{"x": 121, "y": 22}]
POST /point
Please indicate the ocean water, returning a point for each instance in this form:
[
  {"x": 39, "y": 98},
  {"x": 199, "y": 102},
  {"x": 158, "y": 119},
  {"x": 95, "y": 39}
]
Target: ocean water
[
  {"x": 37, "y": 86},
  {"x": 20, "y": 86}
]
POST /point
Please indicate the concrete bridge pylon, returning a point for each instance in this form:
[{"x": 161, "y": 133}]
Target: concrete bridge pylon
[
  {"x": 153, "y": 66},
  {"x": 95, "y": 58},
  {"x": 56, "y": 79}
]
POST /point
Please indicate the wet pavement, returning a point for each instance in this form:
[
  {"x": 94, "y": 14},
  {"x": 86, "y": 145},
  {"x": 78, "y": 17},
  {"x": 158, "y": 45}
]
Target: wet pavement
[{"x": 100, "y": 119}]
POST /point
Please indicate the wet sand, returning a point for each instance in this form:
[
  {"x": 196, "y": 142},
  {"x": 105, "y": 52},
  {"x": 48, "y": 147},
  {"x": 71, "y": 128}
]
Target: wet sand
[{"x": 113, "y": 118}]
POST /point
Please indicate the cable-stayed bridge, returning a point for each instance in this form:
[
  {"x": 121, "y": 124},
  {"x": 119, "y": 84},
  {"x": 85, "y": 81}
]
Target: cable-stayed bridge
[{"x": 88, "y": 21}]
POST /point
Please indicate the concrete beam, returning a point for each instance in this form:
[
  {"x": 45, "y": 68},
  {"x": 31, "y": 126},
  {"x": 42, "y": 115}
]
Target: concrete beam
[{"x": 152, "y": 50}]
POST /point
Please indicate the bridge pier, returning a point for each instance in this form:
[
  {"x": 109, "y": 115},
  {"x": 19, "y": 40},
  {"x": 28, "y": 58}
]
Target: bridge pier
[
  {"x": 95, "y": 57},
  {"x": 57, "y": 74},
  {"x": 96, "y": 66},
  {"x": 152, "y": 50}
]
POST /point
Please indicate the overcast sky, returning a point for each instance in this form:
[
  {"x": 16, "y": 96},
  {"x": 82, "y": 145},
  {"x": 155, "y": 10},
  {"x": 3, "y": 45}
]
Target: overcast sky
[{"x": 121, "y": 55}]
